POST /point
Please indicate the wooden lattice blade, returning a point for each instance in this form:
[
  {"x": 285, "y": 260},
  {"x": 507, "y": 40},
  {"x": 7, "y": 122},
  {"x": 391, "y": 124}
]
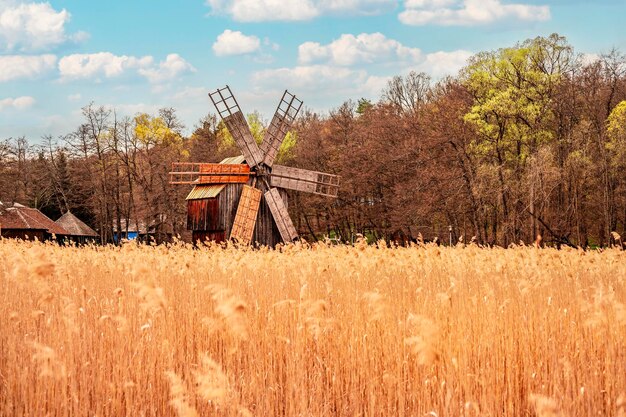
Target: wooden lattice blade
[
  {"x": 275, "y": 133},
  {"x": 228, "y": 109},
  {"x": 245, "y": 218},
  {"x": 304, "y": 180},
  {"x": 281, "y": 215},
  {"x": 240, "y": 131},
  {"x": 273, "y": 139},
  {"x": 193, "y": 173}
]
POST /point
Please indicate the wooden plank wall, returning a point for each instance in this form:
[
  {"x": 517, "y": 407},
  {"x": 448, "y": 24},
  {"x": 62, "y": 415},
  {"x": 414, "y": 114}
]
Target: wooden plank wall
[
  {"x": 203, "y": 214},
  {"x": 226, "y": 204}
]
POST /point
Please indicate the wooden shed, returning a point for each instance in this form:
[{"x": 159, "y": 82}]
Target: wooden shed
[
  {"x": 77, "y": 229},
  {"x": 20, "y": 222},
  {"x": 211, "y": 211}
]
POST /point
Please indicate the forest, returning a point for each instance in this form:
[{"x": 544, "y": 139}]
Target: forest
[{"x": 525, "y": 141}]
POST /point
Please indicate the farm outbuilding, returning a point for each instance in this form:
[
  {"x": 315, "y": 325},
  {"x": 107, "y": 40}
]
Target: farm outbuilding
[
  {"x": 130, "y": 230},
  {"x": 211, "y": 210},
  {"x": 157, "y": 230},
  {"x": 21, "y": 222},
  {"x": 78, "y": 231}
]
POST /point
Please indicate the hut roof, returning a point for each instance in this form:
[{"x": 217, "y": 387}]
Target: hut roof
[
  {"x": 19, "y": 217},
  {"x": 75, "y": 226}
]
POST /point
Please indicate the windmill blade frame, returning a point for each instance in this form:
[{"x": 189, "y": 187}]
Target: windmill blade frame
[
  {"x": 299, "y": 179},
  {"x": 284, "y": 116},
  {"x": 196, "y": 173},
  {"x": 281, "y": 215},
  {"x": 228, "y": 108},
  {"x": 246, "y": 216}
]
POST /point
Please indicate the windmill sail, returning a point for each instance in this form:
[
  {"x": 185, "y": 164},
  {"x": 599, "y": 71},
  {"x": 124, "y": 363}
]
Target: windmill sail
[
  {"x": 285, "y": 114},
  {"x": 304, "y": 180},
  {"x": 281, "y": 215},
  {"x": 205, "y": 173},
  {"x": 231, "y": 114},
  {"x": 245, "y": 219}
]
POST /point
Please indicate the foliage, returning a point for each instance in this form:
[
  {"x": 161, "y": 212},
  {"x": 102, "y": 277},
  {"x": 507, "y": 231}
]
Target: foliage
[
  {"x": 152, "y": 131},
  {"x": 363, "y": 105},
  {"x": 511, "y": 88},
  {"x": 616, "y": 129}
]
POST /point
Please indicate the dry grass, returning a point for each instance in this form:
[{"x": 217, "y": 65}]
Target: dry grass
[{"x": 321, "y": 331}]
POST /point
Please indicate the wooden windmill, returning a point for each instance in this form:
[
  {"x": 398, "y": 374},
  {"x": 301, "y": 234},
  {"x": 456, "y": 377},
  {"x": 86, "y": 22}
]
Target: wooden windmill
[{"x": 243, "y": 198}]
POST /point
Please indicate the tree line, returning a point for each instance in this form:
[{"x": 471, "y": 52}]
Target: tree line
[{"x": 525, "y": 141}]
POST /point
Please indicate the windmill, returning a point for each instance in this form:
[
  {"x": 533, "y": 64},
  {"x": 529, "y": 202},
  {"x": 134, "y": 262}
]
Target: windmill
[{"x": 243, "y": 198}]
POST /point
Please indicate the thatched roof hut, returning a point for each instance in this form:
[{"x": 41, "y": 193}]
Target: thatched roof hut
[
  {"x": 18, "y": 221},
  {"x": 75, "y": 226}
]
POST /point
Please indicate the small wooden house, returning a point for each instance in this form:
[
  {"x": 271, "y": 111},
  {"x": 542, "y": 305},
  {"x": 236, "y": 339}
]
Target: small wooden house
[
  {"x": 20, "y": 222},
  {"x": 211, "y": 211},
  {"x": 158, "y": 230},
  {"x": 78, "y": 231}
]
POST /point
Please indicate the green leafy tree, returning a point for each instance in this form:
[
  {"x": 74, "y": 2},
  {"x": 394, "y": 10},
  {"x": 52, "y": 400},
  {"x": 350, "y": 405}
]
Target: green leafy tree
[
  {"x": 616, "y": 129},
  {"x": 363, "y": 105},
  {"x": 512, "y": 91}
]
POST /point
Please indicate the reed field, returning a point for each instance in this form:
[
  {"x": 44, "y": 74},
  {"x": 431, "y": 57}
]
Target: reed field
[{"x": 311, "y": 331}]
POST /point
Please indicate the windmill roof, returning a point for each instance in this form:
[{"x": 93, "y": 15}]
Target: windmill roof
[
  {"x": 205, "y": 191},
  {"x": 75, "y": 226},
  {"x": 25, "y": 218},
  {"x": 234, "y": 160}
]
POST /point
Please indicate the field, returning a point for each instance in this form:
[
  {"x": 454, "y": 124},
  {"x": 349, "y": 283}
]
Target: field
[{"x": 311, "y": 331}]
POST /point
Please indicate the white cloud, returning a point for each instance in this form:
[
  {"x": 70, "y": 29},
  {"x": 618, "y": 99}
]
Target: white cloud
[
  {"x": 173, "y": 66},
  {"x": 266, "y": 10},
  {"x": 333, "y": 79},
  {"x": 468, "y": 12},
  {"x": 309, "y": 78},
  {"x": 362, "y": 7},
  {"x": 374, "y": 85},
  {"x": 13, "y": 67},
  {"x": 363, "y": 48},
  {"x": 33, "y": 26},
  {"x": 263, "y": 10},
  {"x": 132, "y": 109},
  {"x": 108, "y": 65},
  {"x": 75, "y": 97},
  {"x": 101, "y": 64},
  {"x": 192, "y": 93},
  {"x": 440, "y": 64},
  {"x": 235, "y": 43},
  {"x": 376, "y": 48},
  {"x": 18, "y": 103}
]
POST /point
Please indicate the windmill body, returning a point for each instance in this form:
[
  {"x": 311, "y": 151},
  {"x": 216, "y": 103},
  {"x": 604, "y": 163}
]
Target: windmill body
[{"x": 244, "y": 198}]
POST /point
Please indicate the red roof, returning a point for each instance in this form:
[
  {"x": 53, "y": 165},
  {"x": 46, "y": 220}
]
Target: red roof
[{"x": 20, "y": 217}]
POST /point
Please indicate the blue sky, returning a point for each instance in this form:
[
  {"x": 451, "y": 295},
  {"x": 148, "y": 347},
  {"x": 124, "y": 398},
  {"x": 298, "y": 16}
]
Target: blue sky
[{"x": 141, "y": 55}]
